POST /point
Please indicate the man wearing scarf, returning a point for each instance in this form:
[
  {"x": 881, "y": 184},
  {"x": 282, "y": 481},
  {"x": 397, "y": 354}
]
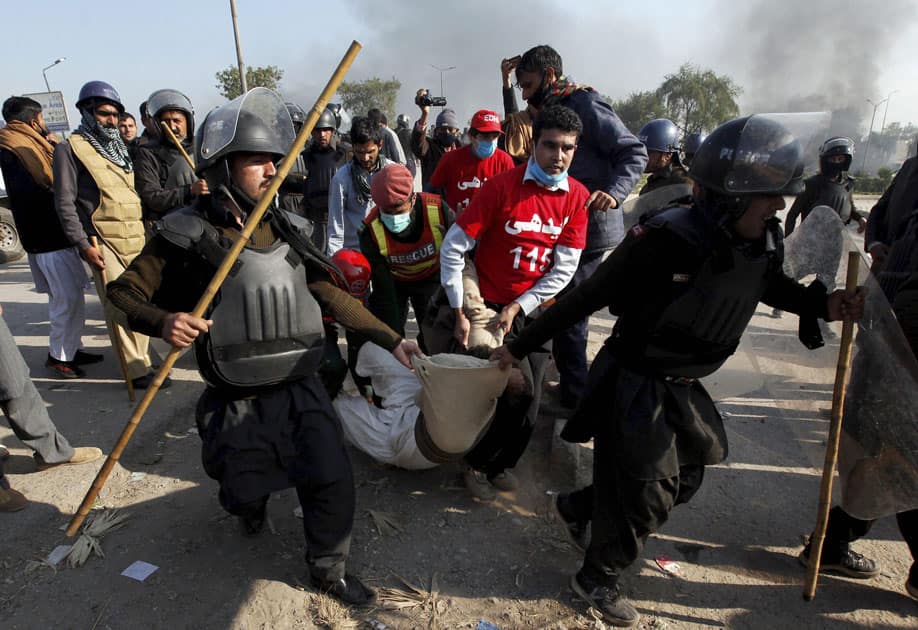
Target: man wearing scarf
[
  {"x": 349, "y": 200},
  {"x": 25, "y": 159},
  {"x": 94, "y": 196},
  {"x": 609, "y": 162}
]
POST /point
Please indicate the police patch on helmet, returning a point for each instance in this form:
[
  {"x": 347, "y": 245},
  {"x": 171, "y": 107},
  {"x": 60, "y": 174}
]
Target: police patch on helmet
[{"x": 637, "y": 230}]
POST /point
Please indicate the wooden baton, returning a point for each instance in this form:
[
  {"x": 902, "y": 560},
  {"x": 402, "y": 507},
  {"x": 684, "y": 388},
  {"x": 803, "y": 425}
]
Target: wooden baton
[
  {"x": 222, "y": 271},
  {"x": 110, "y": 324},
  {"x": 842, "y": 369}
]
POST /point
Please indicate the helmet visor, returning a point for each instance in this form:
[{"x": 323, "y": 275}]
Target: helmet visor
[
  {"x": 260, "y": 103},
  {"x": 771, "y": 150}
]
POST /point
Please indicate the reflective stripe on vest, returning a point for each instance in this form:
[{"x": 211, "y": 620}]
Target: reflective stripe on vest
[
  {"x": 426, "y": 251},
  {"x": 117, "y": 218}
]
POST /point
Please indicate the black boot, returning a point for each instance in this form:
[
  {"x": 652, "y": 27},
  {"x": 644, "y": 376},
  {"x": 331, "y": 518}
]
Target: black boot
[
  {"x": 349, "y": 590},
  {"x": 615, "y": 607}
]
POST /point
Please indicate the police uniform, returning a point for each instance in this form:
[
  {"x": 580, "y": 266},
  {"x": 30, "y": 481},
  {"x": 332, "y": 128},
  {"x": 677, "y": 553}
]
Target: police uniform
[
  {"x": 265, "y": 419},
  {"x": 683, "y": 293}
]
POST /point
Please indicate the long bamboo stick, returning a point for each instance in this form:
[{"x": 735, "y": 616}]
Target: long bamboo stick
[
  {"x": 282, "y": 170},
  {"x": 177, "y": 144},
  {"x": 842, "y": 369},
  {"x": 101, "y": 281}
]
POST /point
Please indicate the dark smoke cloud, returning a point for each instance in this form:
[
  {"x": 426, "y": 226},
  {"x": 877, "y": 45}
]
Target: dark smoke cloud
[{"x": 814, "y": 55}]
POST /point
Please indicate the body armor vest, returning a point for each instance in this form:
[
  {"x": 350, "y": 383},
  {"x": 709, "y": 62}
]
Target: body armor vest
[
  {"x": 267, "y": 326},
  {"x": 117, "y": 218},
  {"x": 702, "y": 327},
  {"x": 173, "y": 169}
]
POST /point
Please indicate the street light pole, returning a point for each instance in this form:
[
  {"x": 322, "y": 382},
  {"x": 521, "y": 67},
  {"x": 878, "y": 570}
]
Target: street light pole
[
  {"x": 886, "y": 110},
  {"x": 242, "y": 82},
  {"x": 870, "y": 131},
  {"x": 45, "y": 70},
  {"x": 442, "y": 70}
]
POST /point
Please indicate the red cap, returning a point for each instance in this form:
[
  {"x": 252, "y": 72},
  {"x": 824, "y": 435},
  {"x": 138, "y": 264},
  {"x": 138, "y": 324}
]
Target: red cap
[
  {"x": 392, "y": 185},
  {"x": 486, "y": 121}
]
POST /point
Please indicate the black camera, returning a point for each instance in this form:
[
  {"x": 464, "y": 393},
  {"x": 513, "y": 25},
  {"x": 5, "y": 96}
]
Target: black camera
[{"x": 426, "y": 100}]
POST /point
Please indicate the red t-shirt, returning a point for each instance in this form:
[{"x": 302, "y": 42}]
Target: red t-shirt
[
  {"x": 517, "y": 225},
  {"x": 460, "y": 174}
]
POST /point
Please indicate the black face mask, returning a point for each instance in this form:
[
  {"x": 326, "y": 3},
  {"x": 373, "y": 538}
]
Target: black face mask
[
  {"x": 831, "y": 169},
  {"x": 445, "y": 139}
]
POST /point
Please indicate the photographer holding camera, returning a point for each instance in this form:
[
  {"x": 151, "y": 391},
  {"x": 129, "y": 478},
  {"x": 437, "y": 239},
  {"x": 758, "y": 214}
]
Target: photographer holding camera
[{"x": 445, "y": 136}]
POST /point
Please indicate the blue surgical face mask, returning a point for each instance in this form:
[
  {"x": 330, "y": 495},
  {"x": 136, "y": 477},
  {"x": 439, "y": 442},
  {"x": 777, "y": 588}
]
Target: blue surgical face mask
[
  {"x": 484, "y": 148},
  {"x": 544, "y": 178},
  {"x": 396, "y": 223}
]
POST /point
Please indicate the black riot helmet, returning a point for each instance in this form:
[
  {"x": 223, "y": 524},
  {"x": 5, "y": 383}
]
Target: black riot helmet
[
  {"x": 328, "y": 120},
  {"x": 297, "y": 115},
  {"x": 838, "y": 145},
  {"x": 754, "y": 155},
  {"x": 256, "y": 122},
  {"x": 167, "y": 100}
]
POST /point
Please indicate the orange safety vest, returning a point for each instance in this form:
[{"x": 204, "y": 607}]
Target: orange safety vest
[{"x": 410, "y": 262}]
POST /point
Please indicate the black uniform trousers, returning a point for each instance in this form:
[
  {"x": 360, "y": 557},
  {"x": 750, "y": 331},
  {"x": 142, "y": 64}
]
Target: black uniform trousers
[
  {"x": 288, "y": 436},
  {"x": 505, "y": 441},
  {"x": 844, "y": 529}
]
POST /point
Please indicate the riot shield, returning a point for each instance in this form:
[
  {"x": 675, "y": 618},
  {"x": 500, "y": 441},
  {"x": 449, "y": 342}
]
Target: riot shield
[
  {"x": 652, "y": 202},
  {"x": 773, "y": 375}
]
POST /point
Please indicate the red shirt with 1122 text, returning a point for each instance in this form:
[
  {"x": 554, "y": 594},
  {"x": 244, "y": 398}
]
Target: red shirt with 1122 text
[{"x": 517, "y": 225}]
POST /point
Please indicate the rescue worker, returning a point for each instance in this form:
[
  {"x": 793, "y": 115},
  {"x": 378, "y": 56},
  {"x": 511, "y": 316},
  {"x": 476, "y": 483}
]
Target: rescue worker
[
  {"x": 661, "y": 139},
  {"x": 683, "y": 285},
  {"x": 265, "y": 419},
  {"x": 164, "y": 180},
  {"x": 94, "y": 196},
  {"x": 831, "y": 186},
  {"x": 322, "y": 158},
  {"x": 690, "y": 147},
  {"x": 402, "y": 240}
]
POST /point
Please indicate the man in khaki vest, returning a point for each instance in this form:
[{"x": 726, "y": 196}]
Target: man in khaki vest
[{"x": 94, "y": 196}]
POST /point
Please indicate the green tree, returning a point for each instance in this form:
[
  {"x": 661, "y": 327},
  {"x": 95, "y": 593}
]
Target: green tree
[
  {"x": 638, "y": 109},
  {"x": 358, "y": 97},
  {"x": 228, "y": 79},
  {"x": 698, "y": 100}
]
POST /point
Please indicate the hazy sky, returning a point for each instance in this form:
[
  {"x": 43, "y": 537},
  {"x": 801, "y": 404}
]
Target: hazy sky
[{"x": 780, "y": 51}]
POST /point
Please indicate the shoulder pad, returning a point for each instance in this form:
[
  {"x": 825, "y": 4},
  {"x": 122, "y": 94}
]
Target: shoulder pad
[
  {"x": 684, "y": 221},
  {"x": 301, "y": 224},
  {"x": 183, "y": 227}
]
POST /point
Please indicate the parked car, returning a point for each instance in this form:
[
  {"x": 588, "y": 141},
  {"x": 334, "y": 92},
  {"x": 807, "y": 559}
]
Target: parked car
[{"x": 10, "y": 246}]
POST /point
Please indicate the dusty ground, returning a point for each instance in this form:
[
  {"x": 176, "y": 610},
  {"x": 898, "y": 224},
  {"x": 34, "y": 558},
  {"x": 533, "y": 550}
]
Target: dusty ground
[{"x": 507, "y": 562}]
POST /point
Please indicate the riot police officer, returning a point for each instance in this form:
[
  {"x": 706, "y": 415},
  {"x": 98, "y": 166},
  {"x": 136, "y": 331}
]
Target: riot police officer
[
  {"x": 291, "y": 192},
  {"x": 322, "y": 158},
  {"x": 163, "y": 179},
  {"x": 265, "y": 419},
  {"x": 690, "y": 147},
  {"x": 832, "y": 186},
  {"x": 661, "y": 139},
  {"x": 684, "y": 286}
]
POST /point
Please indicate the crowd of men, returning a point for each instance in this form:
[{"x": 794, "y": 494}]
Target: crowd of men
[{"x": 502, "y": 246}]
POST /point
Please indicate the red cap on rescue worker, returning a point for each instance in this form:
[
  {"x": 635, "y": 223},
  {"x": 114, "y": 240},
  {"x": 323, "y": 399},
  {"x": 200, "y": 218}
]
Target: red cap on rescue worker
[
  {"x": 391, "y": 186},
  {"x": 486, "y": 121}
]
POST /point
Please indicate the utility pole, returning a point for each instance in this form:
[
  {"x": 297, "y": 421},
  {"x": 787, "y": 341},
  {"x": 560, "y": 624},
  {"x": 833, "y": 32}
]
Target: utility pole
[
  {"x": 242, "y": 81},
  {"x": 886, "y": 110},
  {"x": 45, "y": 69},
  {"x": 442, "y": 70},
  {"x": 870, "y": 131}
]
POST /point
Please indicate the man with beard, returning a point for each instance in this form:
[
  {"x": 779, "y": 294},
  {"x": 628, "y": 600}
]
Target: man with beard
[
  {"x": 349, "y": 200},
  {"x": 322, "y": 159},
  {"x": 445, "y": 137},
  {"x": 661, "y": 139},
  {"x": 684, "y": 285},
  {"x": 164, "y": 180},
  {"x": 609, "y": 162},
  {"x": 265, "y": 420},
  {"x": 94, "y": 196},
  {"x": 26, "y": 150}
]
